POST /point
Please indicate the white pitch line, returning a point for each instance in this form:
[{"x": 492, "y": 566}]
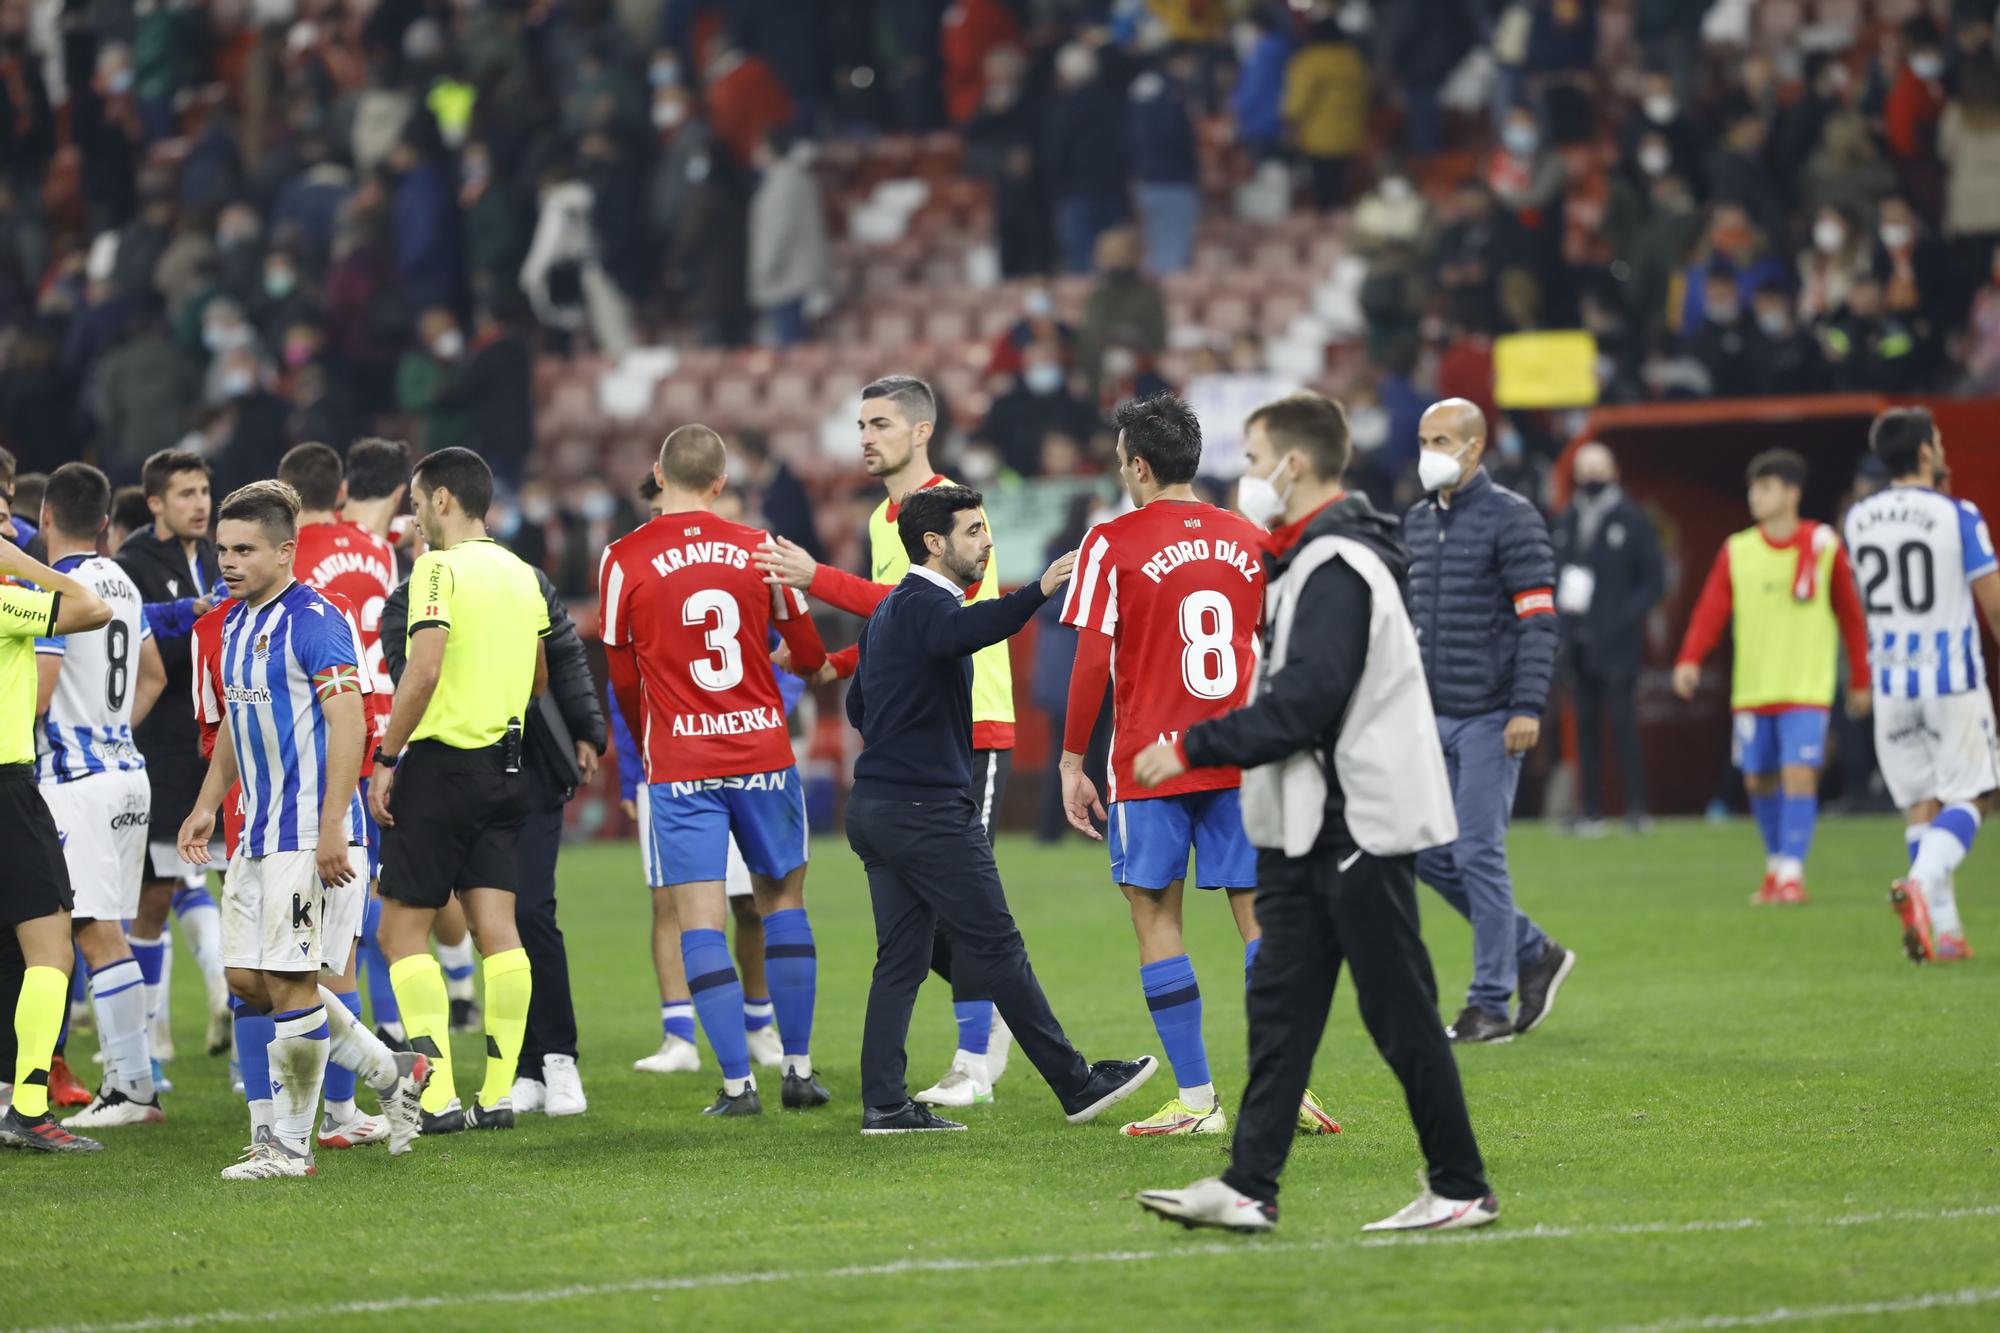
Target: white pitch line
[
  {"x": 1937, "y": 1300},
  {"x": 998, "y": 1263}
]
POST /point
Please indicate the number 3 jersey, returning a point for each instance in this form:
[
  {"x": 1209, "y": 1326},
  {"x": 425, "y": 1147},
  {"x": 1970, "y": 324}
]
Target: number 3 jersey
[
  {"x": 682, "y": 596},
  {"x": 1178, "y": 588},
  {"x": 89, "y": 724},
  {"x": 1916, "y": 555}
]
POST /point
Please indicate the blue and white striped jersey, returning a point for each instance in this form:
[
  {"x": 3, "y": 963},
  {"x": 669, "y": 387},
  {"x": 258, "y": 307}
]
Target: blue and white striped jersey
[
  {"x": 1916, "y": 555},
  {"x": 88, "y": 728},
  {"x": 279, "y": 660}
]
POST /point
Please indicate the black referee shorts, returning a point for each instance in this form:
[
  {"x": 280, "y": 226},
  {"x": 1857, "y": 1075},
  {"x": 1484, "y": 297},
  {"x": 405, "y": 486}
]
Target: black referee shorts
[
  {"x": 458, "y": 824},
  {"x": 34, "y": 878}
]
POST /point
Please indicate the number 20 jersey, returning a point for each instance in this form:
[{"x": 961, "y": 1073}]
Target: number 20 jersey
[
  {"x": 1178, "y": 587},
  {"x": 682, "y": 593},
  {"x": 1916, "y": 555}
]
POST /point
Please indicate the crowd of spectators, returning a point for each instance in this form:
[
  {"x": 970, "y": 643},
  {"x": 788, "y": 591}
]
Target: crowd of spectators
[{"x": 240, "y": 225}]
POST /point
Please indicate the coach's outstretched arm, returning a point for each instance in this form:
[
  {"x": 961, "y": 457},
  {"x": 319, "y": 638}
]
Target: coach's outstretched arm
[
  {"x": 959, "y": 631},
  {"x": 1300, "y": 702}
]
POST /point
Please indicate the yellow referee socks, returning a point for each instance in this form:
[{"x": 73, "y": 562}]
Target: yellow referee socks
[
  {"x": 419, "y": 985},
  {"x": 509, "y": 983},
  {"x": 38, "y": 1017}
]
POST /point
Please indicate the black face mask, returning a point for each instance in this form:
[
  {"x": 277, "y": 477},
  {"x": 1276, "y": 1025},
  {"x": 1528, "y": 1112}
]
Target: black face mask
[{"x": 1593, "y": 489}]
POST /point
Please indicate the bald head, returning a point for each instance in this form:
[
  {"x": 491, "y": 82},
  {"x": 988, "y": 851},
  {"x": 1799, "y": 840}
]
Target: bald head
[
  {"x": 1594, "y": 462},
  {"x": 1455, "y": 430}
]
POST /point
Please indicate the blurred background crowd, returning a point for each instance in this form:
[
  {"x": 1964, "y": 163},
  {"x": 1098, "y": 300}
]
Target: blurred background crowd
[{"x": 553, "y": 228}]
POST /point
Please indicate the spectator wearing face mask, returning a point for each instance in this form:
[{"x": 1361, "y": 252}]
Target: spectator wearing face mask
[
  {"x": 1124, "y": 304},
  {"x": 255, "y": 427},
  {"x": 1528, "y": 179},
  {"x": 1165, "y": 167},
  {"x": 1792, "y": 363},
  {"x": 1916, "y": 277},
  {"x": 145, "y": 392},
  {"x": 1038, "y": 323},
  {"x": 1847, "y": 171},
  {"x": 1868, "y": 349},
  {"x": 1969, "y": 144},
  {"x": 1739, "y": 170},
  {"x": 1660, "y": 115},
  {"x": 1039, "y": 404},
  {"x": 1837, "y": 253},
  {"x": 1086, "y": 155},
  {"x": 1727, "y": 342},
  {"x": 1004, "y": 143},
  {"x": 1263, "y": 50},
  {"x": 1734, "y": 248},
  {"x": 225, "y": 329},
  {"x": 422, "y": 374},
  {"x": 1981, "y": 351},
  {"x": 1916, "y": 100}
]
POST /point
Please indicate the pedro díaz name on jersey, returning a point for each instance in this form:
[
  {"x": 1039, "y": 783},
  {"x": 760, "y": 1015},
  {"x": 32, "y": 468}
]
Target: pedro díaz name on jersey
[{"x": 1244, "y": 560}]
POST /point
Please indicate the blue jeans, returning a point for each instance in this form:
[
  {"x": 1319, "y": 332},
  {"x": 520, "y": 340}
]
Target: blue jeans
[
  {"x": 1169, "y": 213},
  {"x": 1080, "y": 220},
  {"x": 1471, "y": 874}
]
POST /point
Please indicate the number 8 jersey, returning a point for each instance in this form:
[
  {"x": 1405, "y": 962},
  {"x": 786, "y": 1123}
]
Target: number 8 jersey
[
  {"x": 89, "y": 725},
  {"x": 1178, "y": 588},
  {"x": 1916, "y": 555},
  {"x": 681, "y": 595}
]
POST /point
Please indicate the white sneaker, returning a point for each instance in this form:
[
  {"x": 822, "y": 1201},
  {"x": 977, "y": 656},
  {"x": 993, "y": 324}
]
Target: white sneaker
[
  {"x": 765, "y": 1048},
  {"x": 269, "y": 1159},
  {"x": 355, "y": 1132},
  {"x": 999, "y": 1045},
  {"x": 1432, "y": 1212},
  {"x": 404, "y": 1107},
  {"x": 676, "y": 1055},
  {"x": 564, "y": 1085},
  {"x": 1210, "y": 1203},
  {"x": 528, "y": 1096},
  {"x": 112, "y": 1108},
  {"x": 959, "y": 1087}
]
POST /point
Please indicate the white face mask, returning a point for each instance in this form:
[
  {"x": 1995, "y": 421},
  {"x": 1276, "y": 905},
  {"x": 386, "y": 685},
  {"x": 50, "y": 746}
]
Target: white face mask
[
  {"x": 1829, "y": 236},
  {"x": 1896, "y": 235},
  {"x": 1927, "y": 66},
  {"x": 448, "y": 345},
  {"x": 1660, "y": 107},
  {"x": 1654, "y": 160},
  {"x": 1044, "y": 377},
  {"x": 1437, "y": 470},
  {"x": 1259, "y": 499}
]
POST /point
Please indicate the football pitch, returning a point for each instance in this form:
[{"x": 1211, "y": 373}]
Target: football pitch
[{"x": 1734, "y": 1117}]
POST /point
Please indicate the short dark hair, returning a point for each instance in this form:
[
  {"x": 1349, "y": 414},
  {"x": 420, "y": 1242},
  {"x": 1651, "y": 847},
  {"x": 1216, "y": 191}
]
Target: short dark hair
[
  {"x": 932, "y": 510},
  {"x": 692, "y": 457},
  {"x": 1310, "y": 423},
  {"x": 77, "y": 500},
  {"x": 1898, "y": 437},
  {"x": 314, "y": 471},
  {"x": 7, "y": 466},
  {"x": 461, "y": 472},
  {"x": 1163, "y": 431},
  {"x": 649, "y": 488},
  {"x": 376, "y": 467},
  {"x": 29, "y": 488},
  {"x": 1786, "y": 465},
  {"x": 907, "y": 392},
  {"x": 157, "y": 474},
  {"x": 272, "y": 504},
  {"x": 129, "y": 509}
]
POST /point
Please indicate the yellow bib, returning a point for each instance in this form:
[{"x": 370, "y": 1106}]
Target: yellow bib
[{"x": 1787, "y": 650}]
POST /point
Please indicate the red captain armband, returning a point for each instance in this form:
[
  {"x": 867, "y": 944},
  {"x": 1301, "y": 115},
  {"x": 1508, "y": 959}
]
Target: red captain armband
[{"x": 1534, "y": 602}]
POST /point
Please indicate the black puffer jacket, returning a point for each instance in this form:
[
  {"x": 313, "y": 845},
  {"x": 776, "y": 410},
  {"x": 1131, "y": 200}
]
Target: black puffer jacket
[
  {"x": 1481, "y": 596},
  {"x": 570, "y": 681}
]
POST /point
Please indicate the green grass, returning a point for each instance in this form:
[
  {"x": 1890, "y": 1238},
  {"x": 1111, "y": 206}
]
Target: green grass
[{"x": 1796, "y": 1116}]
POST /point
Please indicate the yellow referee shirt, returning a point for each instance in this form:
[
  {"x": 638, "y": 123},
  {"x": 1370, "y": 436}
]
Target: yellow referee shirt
[
  {"x": 25, "y": 615},
  {"x": 490, "y": 604}
]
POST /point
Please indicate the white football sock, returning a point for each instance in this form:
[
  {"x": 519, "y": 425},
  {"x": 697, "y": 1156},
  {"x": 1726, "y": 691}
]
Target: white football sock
[
  {"x": 1938, "y": 855},
  {"x": 201, "y": 926},
  {"x": 457, "y": 957},
  {"x": 736, "y": 1086},
  {"x": 800, "y": 1066},
  {"x": 974, "y": 1065},
  {"x": 298, "y": 1068},
  {"x": 1791, "y": 870},
  {"x": 118, "y": 994},
  {"x": 260, "y": 1116},
  {"x": 1199, "y": 1099},
  {"x": 352, "y": 1046}
]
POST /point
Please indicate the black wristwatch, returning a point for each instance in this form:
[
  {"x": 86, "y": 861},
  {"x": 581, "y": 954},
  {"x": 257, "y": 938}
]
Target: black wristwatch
[{"x": 384, "y": 760}]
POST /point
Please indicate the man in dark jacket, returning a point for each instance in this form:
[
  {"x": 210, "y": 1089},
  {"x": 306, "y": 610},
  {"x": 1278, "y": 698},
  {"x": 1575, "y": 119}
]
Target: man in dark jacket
[
  {"x": 1608, "y": 577},
  {"x": 173, "y": 565},
  {"x": 917, "y": 830},
  {"x": 565, "y": 737},
  {"x": 1344, "y": 781},
  {"x": 1482, "y": 598},
  {"x": 1085, "y": 154},
  {"x": 496, "y": 388}
]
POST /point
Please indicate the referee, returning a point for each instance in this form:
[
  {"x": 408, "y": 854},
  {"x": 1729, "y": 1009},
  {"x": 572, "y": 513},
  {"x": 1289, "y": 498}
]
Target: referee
[
  {"x": 918, "y": 831},
  {"x": 1344, "y": 782},
  {"x": 35, "y": 897},
  {"x": 448, "y": 789}
]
